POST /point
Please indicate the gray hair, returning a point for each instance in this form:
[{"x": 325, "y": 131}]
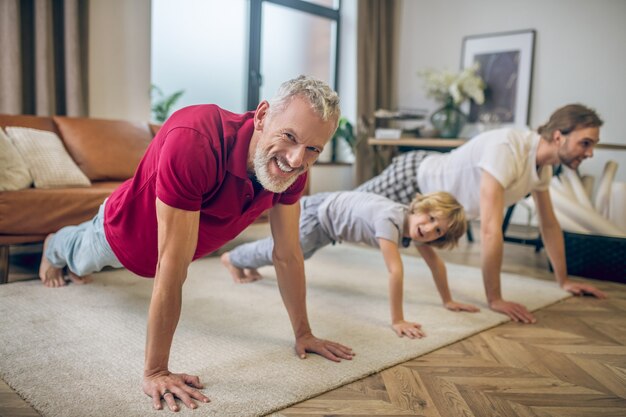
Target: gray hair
[{"x": 324, "y": 101}]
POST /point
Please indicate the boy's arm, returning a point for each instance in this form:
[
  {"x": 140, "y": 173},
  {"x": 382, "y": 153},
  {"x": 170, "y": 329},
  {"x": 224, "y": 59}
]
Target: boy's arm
[
  {"x": 393, "y": 260},
  {"x": 440, "y": 276}
]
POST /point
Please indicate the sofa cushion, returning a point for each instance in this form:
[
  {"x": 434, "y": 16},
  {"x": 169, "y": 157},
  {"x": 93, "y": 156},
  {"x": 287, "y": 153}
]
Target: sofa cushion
[
  {"x": 104, "y": 149},
  {"x": 34, "y": 122},
  {"x": 42, "y": 211},
  {"x": 47, "y": 160},
  {"x": 14, "y": 173},
  {"x": 154, "y": 129}
]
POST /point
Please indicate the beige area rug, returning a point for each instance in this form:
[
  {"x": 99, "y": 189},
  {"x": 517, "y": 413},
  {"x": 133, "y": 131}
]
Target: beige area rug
[{"x": 78, "y": 351}]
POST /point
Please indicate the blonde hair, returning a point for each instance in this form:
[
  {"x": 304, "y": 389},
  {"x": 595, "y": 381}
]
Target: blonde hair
[
  {"x": 445, "y": 206},
  {"x": 324, "y": 101}
]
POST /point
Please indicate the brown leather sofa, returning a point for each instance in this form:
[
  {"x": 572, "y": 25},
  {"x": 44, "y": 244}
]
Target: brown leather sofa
[{"x": 107, "y": 151}]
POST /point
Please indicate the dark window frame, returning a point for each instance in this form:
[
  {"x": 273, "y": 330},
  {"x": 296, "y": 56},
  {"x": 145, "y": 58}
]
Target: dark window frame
[{"x": 255, "y": 78}]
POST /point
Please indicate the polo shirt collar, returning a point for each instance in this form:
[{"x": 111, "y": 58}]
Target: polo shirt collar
[{"x": 238, "y": 157}]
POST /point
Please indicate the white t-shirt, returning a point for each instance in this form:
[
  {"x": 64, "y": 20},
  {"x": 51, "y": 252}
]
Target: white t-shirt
[{"x": 509, "y": 155}]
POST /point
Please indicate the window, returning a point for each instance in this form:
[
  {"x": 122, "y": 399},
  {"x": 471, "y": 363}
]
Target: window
[
  {"x": 234, "y": 53},
  {"x": 288, "y": 38}
]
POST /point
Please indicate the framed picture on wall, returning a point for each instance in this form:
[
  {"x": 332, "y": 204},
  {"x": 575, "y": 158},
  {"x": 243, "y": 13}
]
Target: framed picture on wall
[{"x": 505, "y": 63}]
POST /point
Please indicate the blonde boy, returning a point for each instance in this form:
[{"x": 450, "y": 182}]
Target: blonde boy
[{"x": 432, "y": 220}]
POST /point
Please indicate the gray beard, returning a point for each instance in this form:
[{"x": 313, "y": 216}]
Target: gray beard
[{"x": 261, "y": 162}]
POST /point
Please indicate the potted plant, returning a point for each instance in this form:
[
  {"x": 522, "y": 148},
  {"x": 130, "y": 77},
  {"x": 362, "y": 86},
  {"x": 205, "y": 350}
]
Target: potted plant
[
  {"x": 162, "y": 104},
  {"x": 343, "y": 142},
  {"x": 451, "y": 89}
]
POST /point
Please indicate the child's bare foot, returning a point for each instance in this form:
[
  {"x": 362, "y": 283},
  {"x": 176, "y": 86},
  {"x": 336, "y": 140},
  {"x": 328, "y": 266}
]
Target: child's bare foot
[
  {"x": 253, "y": 274},
  {"x": 239, "y": 275},
  {"x": 76, "y": 279},
  {"x": 50, "y": 276}
]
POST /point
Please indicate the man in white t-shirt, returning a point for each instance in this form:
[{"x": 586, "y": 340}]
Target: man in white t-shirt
[{"x": 494, "y": 170}]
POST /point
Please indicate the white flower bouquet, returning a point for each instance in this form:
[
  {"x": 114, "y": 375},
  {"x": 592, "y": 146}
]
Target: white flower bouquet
[{"x": 460, "y": 86}]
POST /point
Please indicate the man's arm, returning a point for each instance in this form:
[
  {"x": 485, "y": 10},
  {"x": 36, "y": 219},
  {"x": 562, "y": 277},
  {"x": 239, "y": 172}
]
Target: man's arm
[
  {"x": 393, "y": 260},
  {"x": 491, "y": 217},
  {"x": 177, "y": 239},
  {"x": 289, "y": 264},
  {"x": 555, "y": 247},
  {"x": 440, "y": 276}
]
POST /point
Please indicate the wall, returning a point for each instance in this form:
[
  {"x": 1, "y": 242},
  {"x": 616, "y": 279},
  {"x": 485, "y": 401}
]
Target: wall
[
  {"x": 579, "y": 55},
  {"x": 119, "y": 59},
  {"x": 331, "y": 177}
]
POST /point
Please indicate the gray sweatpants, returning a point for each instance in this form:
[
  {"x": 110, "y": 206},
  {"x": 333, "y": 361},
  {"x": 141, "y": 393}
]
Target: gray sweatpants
[{"x": 312, "y": 237}]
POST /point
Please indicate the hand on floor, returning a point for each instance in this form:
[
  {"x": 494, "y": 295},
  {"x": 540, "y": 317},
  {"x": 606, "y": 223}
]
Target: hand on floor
[
  {"x": 167, "y": 386},
  {"x": 515, "y": 311},
  {"x": 583, "y": 289},
  {"x": 408, "y": 329}
]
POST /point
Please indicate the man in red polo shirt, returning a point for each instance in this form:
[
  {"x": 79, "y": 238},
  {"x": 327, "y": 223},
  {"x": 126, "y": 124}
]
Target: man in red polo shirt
[{"x": 205, "y": 177}]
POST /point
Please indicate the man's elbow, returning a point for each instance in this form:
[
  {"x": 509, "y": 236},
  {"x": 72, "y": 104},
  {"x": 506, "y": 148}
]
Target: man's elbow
[
  {"x": 547, "y": 228},
  {"x": 491, "y": 231},
  {"x": 284, "y": 258},
  {"x": 396, "y": 274},
  {"x": 176, "y": 267}
]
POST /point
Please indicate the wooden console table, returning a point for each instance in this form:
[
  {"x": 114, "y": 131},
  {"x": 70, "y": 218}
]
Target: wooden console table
[
  {"x": 441, "y": 144},
  {"x": 419, "y": 143},
  {"x": 427, "y": 144}
]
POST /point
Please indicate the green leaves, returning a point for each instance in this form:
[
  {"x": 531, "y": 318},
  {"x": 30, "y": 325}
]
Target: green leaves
[
  {"x": 162, "y": 104},
  {"x": 345, "y": 131}
]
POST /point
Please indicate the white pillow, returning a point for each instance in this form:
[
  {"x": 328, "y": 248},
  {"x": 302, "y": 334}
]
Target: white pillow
[
  {"x": 14, "y": 173},
  {"x": 46, "y": 157}
]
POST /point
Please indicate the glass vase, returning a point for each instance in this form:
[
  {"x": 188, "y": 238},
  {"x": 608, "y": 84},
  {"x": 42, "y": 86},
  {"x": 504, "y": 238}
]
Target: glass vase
[{"x": 448, "y": 120}]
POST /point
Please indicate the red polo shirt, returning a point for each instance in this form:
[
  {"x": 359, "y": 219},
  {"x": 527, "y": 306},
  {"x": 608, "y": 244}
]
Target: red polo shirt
[{"x": 197, "y": 161}]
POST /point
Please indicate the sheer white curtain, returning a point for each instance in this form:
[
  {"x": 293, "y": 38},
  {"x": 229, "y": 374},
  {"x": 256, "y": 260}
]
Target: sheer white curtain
[{"x": 42, "y": 65}]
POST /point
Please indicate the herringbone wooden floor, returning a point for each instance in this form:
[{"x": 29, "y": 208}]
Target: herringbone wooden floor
[{"x": 572, "y": 363}]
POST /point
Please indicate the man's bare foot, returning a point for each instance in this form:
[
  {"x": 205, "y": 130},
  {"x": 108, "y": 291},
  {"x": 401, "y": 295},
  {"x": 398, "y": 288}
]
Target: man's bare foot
[
  {"x": 50, "y": 276},
  {"x": 76, "y": 279},
  {"x": 239, "y": 275}
]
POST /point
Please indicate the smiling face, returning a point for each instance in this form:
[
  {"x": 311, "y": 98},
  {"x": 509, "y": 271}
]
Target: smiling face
[
  {"x": 577, "y": 145},
  {"x": 286, "y": 143},
  {"x": 426, "y": 227}
]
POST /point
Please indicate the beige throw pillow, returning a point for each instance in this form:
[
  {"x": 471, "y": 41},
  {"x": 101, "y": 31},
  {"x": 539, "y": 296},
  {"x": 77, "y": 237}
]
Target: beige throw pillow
[
  {"x": 14, "y": 173},
  {"x": 46, "y": 157}
]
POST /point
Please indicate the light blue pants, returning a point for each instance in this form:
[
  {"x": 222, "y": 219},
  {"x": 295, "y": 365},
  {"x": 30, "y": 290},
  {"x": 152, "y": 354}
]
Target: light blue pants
[
  {"x": 312, "y": 237},
  {"x": 83, "y": 248}
]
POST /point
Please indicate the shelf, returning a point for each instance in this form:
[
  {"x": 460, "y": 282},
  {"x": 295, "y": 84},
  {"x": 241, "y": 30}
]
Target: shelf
[
  {"x": 612, "y": 146},
  {"x": 387, "y": 115},
  {"x": 441, "y": 143},
  {"x": 332, "y": 164},
  {"x": 423, "y": 143}
]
